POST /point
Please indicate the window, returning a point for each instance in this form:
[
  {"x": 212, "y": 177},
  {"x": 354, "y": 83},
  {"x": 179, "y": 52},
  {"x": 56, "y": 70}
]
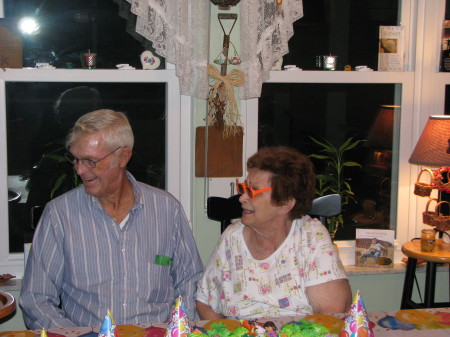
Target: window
[
  {"x": 38, "y": 117},
  {"x": 291, "y": 113},
  {"x": 31, "y": 96},
  {"x": 66, "y": 29}
]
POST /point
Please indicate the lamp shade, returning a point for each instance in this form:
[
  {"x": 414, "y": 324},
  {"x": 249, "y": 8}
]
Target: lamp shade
[
  {"x": 433, "y": 147},
  {"x": 380, "y": 134}
]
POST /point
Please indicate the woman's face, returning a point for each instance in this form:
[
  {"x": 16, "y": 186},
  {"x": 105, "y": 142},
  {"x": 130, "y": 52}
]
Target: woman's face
[{"x": 260, "y": 212}]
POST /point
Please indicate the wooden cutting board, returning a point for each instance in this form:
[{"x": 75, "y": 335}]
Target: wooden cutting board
[{"x": 224, "y": 154}]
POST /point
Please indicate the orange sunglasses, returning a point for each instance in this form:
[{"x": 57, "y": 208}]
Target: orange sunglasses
[{"x": 245, "y": 188}]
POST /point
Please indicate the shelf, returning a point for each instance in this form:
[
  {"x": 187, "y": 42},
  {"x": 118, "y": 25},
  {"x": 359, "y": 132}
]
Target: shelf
[{"x": 307, "y": 76}]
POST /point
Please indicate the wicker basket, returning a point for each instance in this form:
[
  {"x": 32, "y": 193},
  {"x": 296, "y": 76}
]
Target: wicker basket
[
  {"x": 428, "y": 216},
  {"x": 441, "y": 222},
  {"x": 423, "y": 189}
]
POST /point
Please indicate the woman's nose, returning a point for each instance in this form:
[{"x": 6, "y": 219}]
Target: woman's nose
[{"x": 243, "y": 198}]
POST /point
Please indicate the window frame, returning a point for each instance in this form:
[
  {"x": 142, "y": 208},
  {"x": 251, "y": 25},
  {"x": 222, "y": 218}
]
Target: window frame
[{"x": 177, "y": 112}]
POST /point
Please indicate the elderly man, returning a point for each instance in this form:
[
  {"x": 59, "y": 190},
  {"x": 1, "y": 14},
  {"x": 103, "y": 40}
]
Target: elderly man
[{"x": 113, "y": 243}]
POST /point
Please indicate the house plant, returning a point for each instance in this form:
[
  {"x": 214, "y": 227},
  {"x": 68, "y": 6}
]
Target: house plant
[{"x": 333, "y": 178}]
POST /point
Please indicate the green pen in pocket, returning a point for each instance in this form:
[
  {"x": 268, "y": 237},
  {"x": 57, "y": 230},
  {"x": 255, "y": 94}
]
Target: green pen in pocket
[{"x": 163, "y": 260}]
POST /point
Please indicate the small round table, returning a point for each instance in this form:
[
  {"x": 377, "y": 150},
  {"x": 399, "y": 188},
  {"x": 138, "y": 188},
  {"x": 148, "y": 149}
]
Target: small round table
[
  {"x": 7, "y": 304},
  {"x": 441, "y": 254}
]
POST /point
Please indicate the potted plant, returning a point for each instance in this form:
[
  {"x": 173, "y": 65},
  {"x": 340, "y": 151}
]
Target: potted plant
[{"x": 333, "y": 179}]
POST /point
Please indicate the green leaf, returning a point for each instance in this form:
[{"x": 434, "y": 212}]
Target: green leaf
[
  {"x": 55, "y": 157},
  {"x": 351, "y": 163},
  {"x": 58, "y": 184},
  {"x": 319, "y": 156}
]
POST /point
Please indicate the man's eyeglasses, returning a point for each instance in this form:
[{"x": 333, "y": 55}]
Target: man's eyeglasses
[
  {"x": 245, "y": 188},
  {"x": 89, "y": 163}
]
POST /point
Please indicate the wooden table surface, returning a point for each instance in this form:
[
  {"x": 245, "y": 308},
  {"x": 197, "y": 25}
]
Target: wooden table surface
[{"x": 441, "y": 253}]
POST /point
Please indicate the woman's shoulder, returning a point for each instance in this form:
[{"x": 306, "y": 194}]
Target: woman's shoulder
[
  {"x": 308, "y": 224},
  {"x": 233, "y": 230}
]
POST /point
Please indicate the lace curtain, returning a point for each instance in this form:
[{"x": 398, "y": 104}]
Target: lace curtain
[{"x": 179, "y": 31}]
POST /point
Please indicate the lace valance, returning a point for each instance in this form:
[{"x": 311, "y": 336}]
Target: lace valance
[{"x": 179, "y": 31}]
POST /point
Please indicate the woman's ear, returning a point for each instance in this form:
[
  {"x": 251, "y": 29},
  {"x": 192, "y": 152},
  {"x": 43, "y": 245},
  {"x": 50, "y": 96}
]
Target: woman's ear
[{"x": 288, "y": 205}]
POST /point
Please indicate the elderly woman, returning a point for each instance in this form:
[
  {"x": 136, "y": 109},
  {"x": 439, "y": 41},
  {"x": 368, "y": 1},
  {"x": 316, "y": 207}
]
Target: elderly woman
[{"x": 277, "y": 260}]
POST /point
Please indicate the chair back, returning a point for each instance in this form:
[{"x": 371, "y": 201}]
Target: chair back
[
  {"x": 226, "y": 209},
  {"x": 326, "y": 206}
]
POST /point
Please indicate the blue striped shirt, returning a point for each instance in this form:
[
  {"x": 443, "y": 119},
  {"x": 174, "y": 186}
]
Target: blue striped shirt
[{"x": 82, "y": 263}]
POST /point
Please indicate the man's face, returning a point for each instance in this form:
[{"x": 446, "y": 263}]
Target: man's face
[{"x": 102, "y": 181}]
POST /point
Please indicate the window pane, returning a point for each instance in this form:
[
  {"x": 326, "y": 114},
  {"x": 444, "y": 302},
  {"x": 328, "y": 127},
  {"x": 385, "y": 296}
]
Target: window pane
[
  {"x": 346, "y": 28},
  {"x": 39, "y": 116},
  {"x": 69, "y": 28},
  {"x": 289, "y": 114}
]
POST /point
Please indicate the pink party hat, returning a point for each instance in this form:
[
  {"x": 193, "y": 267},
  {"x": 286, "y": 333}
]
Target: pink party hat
[
  {"x": 108, "y": 326},
  {"x": 179, "y": 323},
  {"x": 356, "y": 322}
]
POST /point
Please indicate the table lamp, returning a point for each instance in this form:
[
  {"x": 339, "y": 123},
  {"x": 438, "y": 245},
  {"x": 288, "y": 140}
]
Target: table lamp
[
  {"x": 433, "y": 149},
  {"x": 379, "y": 138}
]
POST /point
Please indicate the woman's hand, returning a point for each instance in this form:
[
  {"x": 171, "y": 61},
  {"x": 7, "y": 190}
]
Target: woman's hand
[{"x": 205, "y": 312}]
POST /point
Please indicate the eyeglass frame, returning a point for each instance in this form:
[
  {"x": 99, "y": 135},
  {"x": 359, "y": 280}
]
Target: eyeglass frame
[
  {"x": 246, "y": 188},
  {"x": 91, "y": 163}
]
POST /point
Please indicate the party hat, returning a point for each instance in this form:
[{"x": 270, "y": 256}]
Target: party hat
[
  {"x": 179, "y": 323},
  {"x": 108, "y": 326},
  {"x": 43, "y": 333},
  {"x": 356, "y": 322}
]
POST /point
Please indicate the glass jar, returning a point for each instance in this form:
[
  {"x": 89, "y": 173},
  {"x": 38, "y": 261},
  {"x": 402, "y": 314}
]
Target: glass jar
[{"x": 427, "y": 240}]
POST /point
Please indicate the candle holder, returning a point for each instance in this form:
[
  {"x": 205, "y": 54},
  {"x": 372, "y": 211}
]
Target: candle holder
[{"x": 89, "y": 60}]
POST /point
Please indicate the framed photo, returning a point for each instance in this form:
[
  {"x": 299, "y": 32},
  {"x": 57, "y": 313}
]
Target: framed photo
[{"x": 374, "y": 248}]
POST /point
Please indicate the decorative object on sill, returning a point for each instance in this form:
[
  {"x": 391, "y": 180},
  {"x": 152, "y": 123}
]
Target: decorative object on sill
[
  {"x": 391, "y": 48},
  {"x": 433, "y": 149},
  {"x": 363, "y": 68},
  {"x": 348, "y": 68},
  {"x": 225, "y": 4},
  {"x": 44, "y": 65},
  {"x": 149, "y": 61},
  {"x": 374, "y": 247},
  {"x": 291, "y": 67},
  {"x": 89, "y": 60},
  {"x": 124, "y": 67},
  {"x": 329, "y": 62},
  {"x": 326, "y": 62}
]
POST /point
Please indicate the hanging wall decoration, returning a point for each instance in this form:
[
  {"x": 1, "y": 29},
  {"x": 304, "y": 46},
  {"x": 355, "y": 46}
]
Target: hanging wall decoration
[
  {"x": 225, "y": 4},
  {"x": 219, "y": 145},
  {"x": 223, "y": 111}
]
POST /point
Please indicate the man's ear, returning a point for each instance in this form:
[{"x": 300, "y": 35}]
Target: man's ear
[{"x": 125, "y": 156}]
